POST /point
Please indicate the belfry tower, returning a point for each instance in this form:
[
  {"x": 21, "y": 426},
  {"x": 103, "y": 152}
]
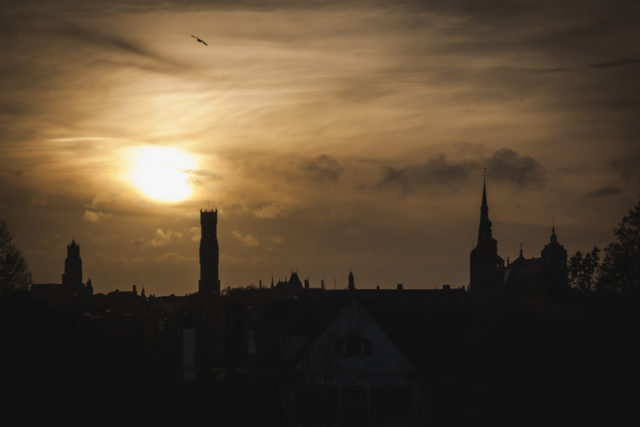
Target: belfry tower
[
  {"x": 72, "y": 276},
  {"x": 487, "y": 268},
  {"x": 209, "y": 283}
]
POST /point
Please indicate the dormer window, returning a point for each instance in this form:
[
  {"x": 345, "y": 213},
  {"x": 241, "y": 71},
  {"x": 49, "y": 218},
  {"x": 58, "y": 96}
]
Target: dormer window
[{"x": 353, "y": 344}]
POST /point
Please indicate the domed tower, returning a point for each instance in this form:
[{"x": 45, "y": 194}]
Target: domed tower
[
  {"x": 352, "y": 282},
  {"x": 72, "y": 276},
  {"x": 209, "y": 283},
  {"x": 554, "y": 263},
  {"x": 486, "y": 267}
]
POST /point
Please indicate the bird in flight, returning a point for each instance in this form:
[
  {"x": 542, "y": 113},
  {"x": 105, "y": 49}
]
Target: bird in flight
[{"x": 199, "y": 40}]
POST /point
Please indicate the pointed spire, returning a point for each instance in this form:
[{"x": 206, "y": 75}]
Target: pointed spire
[
  {"x": 484, "y": 190},
  {"x": 484, "y": 231},
  {"x": 521, "y": 256},
  {"x": 554, "y": 238}
]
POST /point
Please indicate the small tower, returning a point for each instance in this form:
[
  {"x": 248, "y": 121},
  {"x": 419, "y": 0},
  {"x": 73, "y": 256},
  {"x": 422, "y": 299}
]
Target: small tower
[
  {"x": 72, "y": 276},
  {"x": 554, "y": 262},
  {"x": 352, "y": 282},
  {"x": 209, "y": 283},
  {"x": 486, "y": 267}
]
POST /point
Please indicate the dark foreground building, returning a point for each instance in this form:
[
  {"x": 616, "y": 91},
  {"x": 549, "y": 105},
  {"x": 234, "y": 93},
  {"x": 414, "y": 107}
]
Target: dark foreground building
[{"x": 507, "y": 351}]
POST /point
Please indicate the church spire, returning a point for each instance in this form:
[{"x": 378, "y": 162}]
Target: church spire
[
  {"x": 554, "y": 238},
  {"x": 484, "y": 231}
]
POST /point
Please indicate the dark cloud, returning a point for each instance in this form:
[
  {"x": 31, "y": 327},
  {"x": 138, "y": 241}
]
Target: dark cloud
[
  {"x": 322, "y": 168},
  {"x": 103, "y": 40},
  {"x": 627, "y": 167},
  {"x": 505, "y": 165},
  {"x": 436, "y": 171},
  {"x": 618, "y": 63},
  {"x": 508, "y": 166},
  {"x": 605, "y": 191}
]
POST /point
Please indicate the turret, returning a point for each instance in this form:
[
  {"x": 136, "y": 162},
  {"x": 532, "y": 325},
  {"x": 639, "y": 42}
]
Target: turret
[{"x": 554, "y": 262}]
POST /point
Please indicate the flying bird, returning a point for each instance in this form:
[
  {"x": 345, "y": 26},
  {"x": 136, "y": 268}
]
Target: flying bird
[{"x": 200, "y": 40}]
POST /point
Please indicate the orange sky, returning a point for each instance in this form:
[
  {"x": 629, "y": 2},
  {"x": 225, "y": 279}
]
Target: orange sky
[{"x": 331, "y": 136}]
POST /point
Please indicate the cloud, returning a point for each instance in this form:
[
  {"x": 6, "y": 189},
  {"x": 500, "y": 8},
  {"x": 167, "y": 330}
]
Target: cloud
[
  {"x": 617, "y": 63},
  {"x": 626, "y": 167},
  {"x": 249, "y": 240},
  {"x": 198, "y": 177},
  {"x": 436, "y": 171},
  {"x": 605, "y": 191},
  {"x": 505, "y": 165},
  {"x": 95, "y": 216},
  {"x": 173, "y": 258},
  {"x": 110, "y": 42},
  {"x": 270, "y": 211},
  {"x": 195, "y": 234},
  {"x": 508, "y": 166},
  {"x": 162, "y": 238},
  {"x": 322, "y": 168}
]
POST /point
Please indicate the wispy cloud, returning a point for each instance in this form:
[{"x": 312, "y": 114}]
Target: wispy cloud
[
  {"x": 605, "y": 191},
  {"x": 248, "y": 240},
  {"x": 95, "y": 216}
]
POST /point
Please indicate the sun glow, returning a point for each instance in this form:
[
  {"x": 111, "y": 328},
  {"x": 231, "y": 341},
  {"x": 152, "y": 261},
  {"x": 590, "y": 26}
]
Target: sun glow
[{"x": 161, "y": 173}]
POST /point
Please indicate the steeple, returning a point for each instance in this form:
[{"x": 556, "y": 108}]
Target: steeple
[
  {"x": 486, "y": 266},
  {"x": 484, "y": 231},
  {"x": 554, "y": 238},
  {"x": 521, "y": 256}
]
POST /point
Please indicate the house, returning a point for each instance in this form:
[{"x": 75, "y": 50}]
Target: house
[{"x": 354, "y": 374}]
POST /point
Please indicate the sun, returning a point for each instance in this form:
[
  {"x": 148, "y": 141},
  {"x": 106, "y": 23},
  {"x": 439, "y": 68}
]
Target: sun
[{"x": 162, "y": 174}]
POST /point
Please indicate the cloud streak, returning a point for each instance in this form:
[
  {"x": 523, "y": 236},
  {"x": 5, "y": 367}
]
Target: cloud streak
[{"x": 504, "y": 165}]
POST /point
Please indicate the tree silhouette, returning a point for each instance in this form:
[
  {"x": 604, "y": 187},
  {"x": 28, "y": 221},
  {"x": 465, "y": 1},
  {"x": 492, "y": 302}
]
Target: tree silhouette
[
  {"x": 14, "y": 272},
  {"x": 583, "y": 269},
  {"x": 620, "y": 269}
]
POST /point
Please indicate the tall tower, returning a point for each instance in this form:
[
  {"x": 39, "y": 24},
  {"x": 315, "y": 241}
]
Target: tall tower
[
  {"x": 352, "y": 282},
  {"x": 72, "y": 276},
  {"x": 487, "y": 268},
  {"x": 209, "y": 283}
]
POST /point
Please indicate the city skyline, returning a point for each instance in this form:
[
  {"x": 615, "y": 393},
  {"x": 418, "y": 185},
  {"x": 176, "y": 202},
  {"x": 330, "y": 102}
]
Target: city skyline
[{"x": 330, "y": 138}]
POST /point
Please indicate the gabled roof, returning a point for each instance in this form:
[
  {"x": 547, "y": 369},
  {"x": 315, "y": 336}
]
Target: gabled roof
[{"x": 322, "y": 359}]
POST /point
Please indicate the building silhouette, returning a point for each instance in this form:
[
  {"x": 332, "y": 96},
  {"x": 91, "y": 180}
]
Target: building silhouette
[
  {"x": 71, "y": 279},
  {"x": 490, "y": 277},
  {"x": 486, "y": 266},
  {"x": 548, "y": 271},
  {"x": 209, "y": 283},
  {"x": 72, "y": 276}
]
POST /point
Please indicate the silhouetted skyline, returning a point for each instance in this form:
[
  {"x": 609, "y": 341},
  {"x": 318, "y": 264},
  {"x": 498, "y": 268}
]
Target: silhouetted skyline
[{"x": 333, "y": 137}]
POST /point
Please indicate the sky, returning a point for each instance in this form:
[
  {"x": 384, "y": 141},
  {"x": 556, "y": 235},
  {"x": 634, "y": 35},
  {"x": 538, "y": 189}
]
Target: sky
[{"x": 331, "y": 136}]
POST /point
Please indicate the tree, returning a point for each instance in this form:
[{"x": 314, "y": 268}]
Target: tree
[
  {"x": 583, "y": 269},
  {"x": 14, "y": 272},
  {"x": 620, "y": 269}
]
